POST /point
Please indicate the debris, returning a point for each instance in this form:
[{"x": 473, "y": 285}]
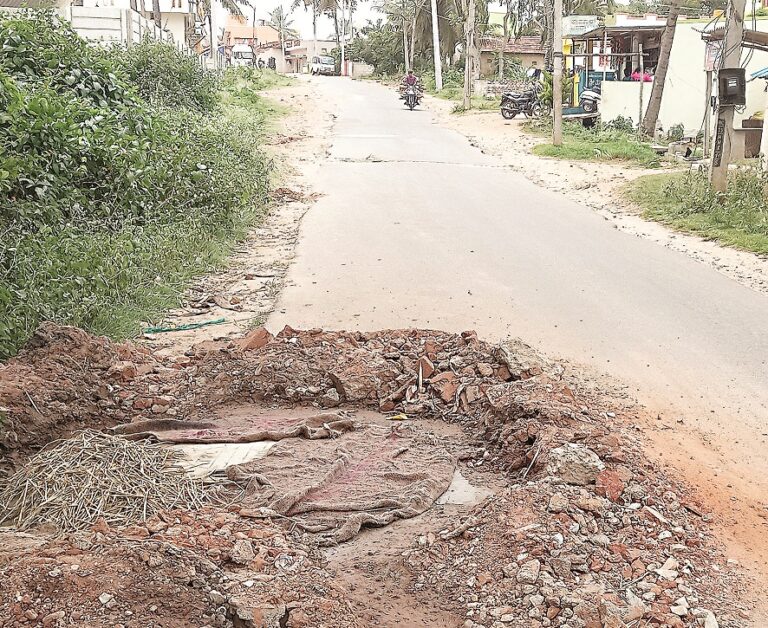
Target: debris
[
  {"x": 94, "y": 476},
  {"x": 574, "y": 464}
]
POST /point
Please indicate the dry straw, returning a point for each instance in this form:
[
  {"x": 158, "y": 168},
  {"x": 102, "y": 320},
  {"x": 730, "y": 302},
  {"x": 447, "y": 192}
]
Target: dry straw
[{"x": 74, "y": 482}]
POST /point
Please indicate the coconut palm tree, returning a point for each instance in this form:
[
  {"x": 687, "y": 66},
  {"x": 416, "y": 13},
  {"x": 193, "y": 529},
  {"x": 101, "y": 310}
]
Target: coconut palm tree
[
  {"x": 318, "y": 7},
  {"x": 281, "y": 22}
]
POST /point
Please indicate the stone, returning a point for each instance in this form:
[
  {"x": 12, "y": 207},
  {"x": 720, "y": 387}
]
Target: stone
[
  {"x": 485, "y": 369},
  {"x": 105, "y": 598},
  {"x": 574, "y": 464},
  {"x": 217, "y": 598},
  {"x": 330, "y": 399},
  {"x": 668, "y": 571},
  {"x": 123, "y": 370},
  {"x": 254, "y": 340},
  {"x": 608, "y": 484},
  {"x": 426, "y": 366},
  {"x": 558, "y": 503},
  {"x": 446, "y": 385},
  {"x": 561, "y": 566},
  {"x": 53, "y": 618},
  {"x": 709, "y": 620},
  {"x": 529, "y": 572},
  {"x": 242, "y": 552}
]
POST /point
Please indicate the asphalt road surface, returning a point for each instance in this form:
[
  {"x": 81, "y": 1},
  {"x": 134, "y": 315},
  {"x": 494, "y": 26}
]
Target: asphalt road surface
[{"x": 416, "y": 227}]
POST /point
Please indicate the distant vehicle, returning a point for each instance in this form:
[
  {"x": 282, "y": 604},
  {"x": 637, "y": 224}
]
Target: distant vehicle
[
  {"x": 242, "y": 55},
  {"x": 323, "y": 65},
  {"x": 527, "y": 102}
]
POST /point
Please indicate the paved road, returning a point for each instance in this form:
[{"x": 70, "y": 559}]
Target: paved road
[{"x": 419, "y": 228}]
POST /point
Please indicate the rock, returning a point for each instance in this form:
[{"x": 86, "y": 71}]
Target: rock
[
  {"x": 709, "y": 620},
  {"x": 105, "y": 598},
  {"x": 53, "y": 618},
  {"x": 558, "y": 503},
  {"x": 668, "y": 571},
  {"x": 255, "y": 339},
  {"x": 217, "y": 598},
  {"x": 609, "y": 484},
  {"x": 426, "y": 366},
  {"x": 123, "y": 370},
  {"x": 446, "y": 385},
  {"x": 574, "y": 464},
  {"x": 561, "y": 567},
  {"x": 330, "y": 399},
  {"x": 30, "y": 614},
  {"x": 242, "y": 552},
  {"x": 485, "y": 369},
  {"x": 529, "y": 572}
]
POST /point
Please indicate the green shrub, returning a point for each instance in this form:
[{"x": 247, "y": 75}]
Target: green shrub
[
  {"x": 109, "y": 204},
  {"x": 167, "y": 76}
]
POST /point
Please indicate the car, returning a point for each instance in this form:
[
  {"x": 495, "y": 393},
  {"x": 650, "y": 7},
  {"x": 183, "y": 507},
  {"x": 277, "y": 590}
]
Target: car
[
  {"x": 242, "y": 55},
  {"x": 323, "y": 65}
]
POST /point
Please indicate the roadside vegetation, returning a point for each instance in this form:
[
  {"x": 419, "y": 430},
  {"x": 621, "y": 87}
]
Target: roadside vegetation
[
  {"x": 123, "y": 174},
  {"x": 606, "y": 143},
  {"x": 686, "y": 202}
]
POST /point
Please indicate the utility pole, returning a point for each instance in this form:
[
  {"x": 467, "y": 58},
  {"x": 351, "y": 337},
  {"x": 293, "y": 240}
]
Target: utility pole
[
  {"x": 730, "y": 59},
  {"x": 436, "y": 47},
  {"x": 708, "y": 116},
  {"x": 469, "y": 29},
  {"x": 557, "y": 75},
  {"x": 641, "y": 65},
  {"x": 343, "y": 36}
]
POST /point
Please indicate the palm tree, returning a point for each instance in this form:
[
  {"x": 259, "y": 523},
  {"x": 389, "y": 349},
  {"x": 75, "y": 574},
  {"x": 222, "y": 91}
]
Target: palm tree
[
  {"x": 205, "y": 8},
  {"x": 318, "y": 8},
  {"x": 281, "y": 22}
]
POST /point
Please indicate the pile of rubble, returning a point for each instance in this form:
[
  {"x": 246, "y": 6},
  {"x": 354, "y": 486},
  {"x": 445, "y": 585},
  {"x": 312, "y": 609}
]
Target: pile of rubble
[
  {"x": 179, "y": 569},
  {"x": 587, "y": 534},
  {"x": 584, "y": 545}
]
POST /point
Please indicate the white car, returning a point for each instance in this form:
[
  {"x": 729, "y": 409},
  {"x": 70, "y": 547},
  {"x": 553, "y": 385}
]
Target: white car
[
  {"x": 242, "y": 54},
  {"x": 323, "y": 65}
]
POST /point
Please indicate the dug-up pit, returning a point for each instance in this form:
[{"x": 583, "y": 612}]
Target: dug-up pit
[{"x": 395, "y": 478}]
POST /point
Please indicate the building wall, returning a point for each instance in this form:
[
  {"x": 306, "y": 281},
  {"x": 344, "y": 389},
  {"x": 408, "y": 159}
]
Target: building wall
[
  {"x": 685, "y": 88},
  {"x": 487, "y": 61}
]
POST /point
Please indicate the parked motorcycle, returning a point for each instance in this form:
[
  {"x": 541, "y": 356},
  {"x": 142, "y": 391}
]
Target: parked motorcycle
[
  {"x": 411, "y": 97},
  {"x": 527, "y": 102},
  {"x": 589, "y": 100}
]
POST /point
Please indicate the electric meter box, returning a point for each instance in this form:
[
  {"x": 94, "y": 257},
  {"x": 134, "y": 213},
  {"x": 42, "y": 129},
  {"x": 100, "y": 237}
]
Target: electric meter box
[{"x": 732, "y": 86}]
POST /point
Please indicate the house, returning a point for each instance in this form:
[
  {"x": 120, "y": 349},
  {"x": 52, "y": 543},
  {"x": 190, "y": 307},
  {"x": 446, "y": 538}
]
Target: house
[
  {"x": 240, "y": 31},
  {"x": 529, "y": 50},
  {"x": 299, "y": 53},
  {"x": 603, "y": 56}
]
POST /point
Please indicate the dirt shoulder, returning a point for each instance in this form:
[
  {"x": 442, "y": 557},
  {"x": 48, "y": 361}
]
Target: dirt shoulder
[
  {"x": 597, "y": 185},
  {"x": 243, "y": 293}
]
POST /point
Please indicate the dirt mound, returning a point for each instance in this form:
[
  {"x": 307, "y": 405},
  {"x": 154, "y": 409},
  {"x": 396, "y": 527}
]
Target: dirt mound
[
  {"x": 210, "y": 568},
  {"x": 63, "y": 380}
]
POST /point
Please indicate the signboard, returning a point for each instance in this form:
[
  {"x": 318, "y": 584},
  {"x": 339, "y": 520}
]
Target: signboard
[
  {"x": 575, "y": 25},
  {"x": 712, "y": 55}
]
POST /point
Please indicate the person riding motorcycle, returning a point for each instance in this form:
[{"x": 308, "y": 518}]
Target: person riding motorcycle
[{"x": 410, "y": 80}]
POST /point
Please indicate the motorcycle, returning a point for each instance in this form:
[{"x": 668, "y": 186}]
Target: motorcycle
[
  {"x": 411, "y": 97},
  {"x": 527, "y": 102},
  {"x": 589, "y": 100}
]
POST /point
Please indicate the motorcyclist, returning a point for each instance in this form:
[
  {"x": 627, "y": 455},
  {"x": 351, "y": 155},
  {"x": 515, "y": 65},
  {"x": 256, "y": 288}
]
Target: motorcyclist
[{"x": 410, "y": 80}]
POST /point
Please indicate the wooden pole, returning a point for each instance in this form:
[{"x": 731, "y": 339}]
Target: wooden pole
[
  {"x": 557, "y": 75},
  {"x": 436, "y": 48},
  {"x": 731, "y": 58}
]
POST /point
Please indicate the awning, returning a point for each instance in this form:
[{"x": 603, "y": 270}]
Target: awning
[{"x": 756, "y": 40}]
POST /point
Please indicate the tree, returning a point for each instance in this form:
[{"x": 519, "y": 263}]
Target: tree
[
  {"x": 657, "y": 91},
  {"x": 318, "y": 7},
  {"x": 156, "y": 12},
  {"x": 281, "y": 22}
]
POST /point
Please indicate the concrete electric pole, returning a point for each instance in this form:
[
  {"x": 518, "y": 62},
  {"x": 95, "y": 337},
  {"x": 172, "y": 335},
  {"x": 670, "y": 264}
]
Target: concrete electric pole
[
  {"x": 436, "y": 47},
  {"x": 730, "y": 59},
  {"x": 557, "y": 75}
]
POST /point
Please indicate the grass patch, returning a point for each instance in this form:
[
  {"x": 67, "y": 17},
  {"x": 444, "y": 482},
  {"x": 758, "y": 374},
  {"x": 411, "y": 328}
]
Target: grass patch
[
  {"x": 117, "y": 189},
  {"x": 596, "y": 144},
  {"x": 738, "y": 218}
]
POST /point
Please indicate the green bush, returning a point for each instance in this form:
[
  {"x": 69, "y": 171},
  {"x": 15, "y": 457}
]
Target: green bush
[
  {"x": 166, "y": 76},
  {"x": 110, "y": 203}
]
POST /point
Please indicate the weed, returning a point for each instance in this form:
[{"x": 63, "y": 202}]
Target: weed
[{"x": 686, "y": 201}]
